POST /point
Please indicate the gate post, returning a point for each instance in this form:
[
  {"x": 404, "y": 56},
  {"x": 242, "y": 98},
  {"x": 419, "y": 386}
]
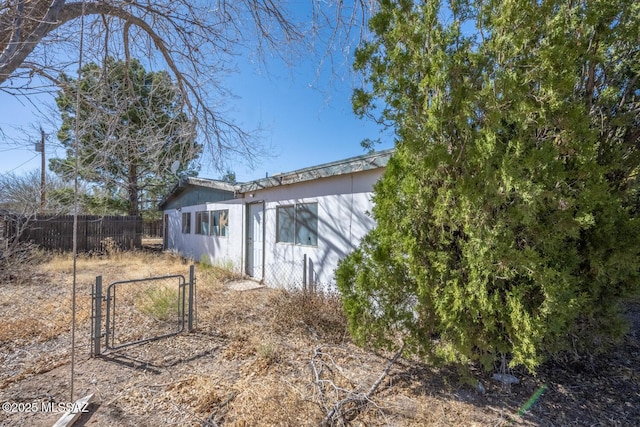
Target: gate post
[
  {"x": 192, "y": 280},
  {"x": 97, "y": 317}
]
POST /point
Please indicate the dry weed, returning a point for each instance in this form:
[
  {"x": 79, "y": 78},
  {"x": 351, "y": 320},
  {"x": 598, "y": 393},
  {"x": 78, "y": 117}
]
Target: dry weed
[
  {"x": 36, "y": 307},
  {"x": 318, "y": 313},
  {"x": 226, "y": 311},
  {"x": 263, "y": 357},
  {"x": 271, "y": 401},
  {"x": 241, "y": 345},
  {"x": 19, "y": 262},
  {"x": 268, "y": 352},
  {"x": 121, "y": 266}
]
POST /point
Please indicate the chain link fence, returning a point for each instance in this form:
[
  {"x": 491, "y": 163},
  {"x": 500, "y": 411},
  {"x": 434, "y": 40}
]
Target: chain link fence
[{"x": 298, "y": 273}]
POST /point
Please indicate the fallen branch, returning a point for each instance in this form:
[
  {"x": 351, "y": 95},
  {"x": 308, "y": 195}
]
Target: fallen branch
[
  {"x": 355, "y": 402},
  {"x": 327, "y": 389},
  {"x": 317, "y": 377},
  {"x": 212, "y": 420}
]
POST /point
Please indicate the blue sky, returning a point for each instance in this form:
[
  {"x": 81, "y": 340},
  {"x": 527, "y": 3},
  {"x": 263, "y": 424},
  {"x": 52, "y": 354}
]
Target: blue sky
[
  {"x": 304, "y": 121},
  {"x": 304, "y": 124}
]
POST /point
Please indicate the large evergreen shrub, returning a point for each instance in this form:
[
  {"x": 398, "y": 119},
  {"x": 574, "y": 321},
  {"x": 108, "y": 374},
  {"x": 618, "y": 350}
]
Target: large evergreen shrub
[{"x": 506, "y": 217}]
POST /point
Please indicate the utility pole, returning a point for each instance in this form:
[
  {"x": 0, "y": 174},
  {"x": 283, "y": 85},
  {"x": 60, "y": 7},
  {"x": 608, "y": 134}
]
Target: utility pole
[{"x": 40, "y": 149}]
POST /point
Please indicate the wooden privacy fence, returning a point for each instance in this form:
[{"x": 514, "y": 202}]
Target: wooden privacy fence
[
  {"x": 95, "y": 233},
  {"x": 152, "y": 228}
]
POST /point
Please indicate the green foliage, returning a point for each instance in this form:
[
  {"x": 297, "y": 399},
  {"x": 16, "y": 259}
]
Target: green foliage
[
  {"x": 506, "y": 218},
  {"x": 131, "y": 128},
  {"x": 90, "y": 204},
  {"x": 221, "y": 270},
  {"x": 229, "y": 176},
  {"x": 160, "y": 302}
]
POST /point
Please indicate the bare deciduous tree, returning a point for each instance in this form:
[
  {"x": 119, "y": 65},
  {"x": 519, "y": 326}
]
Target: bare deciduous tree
[
  {"x": 194, "y": 40},
  {"x": 20, "y": 194},
  {"x": 19, "y": 204}
]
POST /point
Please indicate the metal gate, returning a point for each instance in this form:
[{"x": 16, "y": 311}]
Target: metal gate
[{"x": 141, "y": 310}]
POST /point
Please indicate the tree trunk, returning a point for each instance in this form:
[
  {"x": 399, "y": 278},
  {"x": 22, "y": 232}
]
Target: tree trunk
[{"x": 133, "y": 189}]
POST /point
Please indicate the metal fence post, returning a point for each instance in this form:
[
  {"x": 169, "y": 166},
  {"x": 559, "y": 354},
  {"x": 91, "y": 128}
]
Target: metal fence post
[
  {"x": 192, "y": 279},
  {"x": 311, "y": 275},
  {"x": 304, "y": 272},
  {"x": 97, "y": 318}
]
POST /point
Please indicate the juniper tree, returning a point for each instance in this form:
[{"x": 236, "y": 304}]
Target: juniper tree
[{"x": 507, "y": 218}]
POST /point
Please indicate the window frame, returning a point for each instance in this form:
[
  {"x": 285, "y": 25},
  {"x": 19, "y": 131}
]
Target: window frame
[
  {"x": 186, "y": 225},
  {"x": 294, "y": 230},
  {"x": 304, "y": 214},
  {"x": 202, "y": 218},
  {"x": 215, "y": 223}
]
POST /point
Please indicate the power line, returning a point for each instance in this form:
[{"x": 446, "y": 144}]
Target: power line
[
  {"x": 22, "y": 164},
  {"x": 15, "y": 149}
]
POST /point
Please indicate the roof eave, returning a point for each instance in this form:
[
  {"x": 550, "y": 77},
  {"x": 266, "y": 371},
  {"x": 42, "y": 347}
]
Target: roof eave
[
  {"x": 347, "y": 166},
  {"x": 184, "y": 183}
]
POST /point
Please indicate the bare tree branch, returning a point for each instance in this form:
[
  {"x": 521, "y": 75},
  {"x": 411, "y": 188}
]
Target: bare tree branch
[
  {"x": 348, "y": 403},
  {"x": 195, "y": 40},
  {"x": 15, "y": 51}
]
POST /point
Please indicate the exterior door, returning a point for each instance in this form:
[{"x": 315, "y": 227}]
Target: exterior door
[{"x": 255, "y": 243}]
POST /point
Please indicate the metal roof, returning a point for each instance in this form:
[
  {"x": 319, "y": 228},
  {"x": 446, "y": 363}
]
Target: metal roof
[
  {"x": 361, "y": 163},
  {"x": 354, "y": 164},
  {"x": 185, "y": 183},
  {"x": 211, "y": 183}
]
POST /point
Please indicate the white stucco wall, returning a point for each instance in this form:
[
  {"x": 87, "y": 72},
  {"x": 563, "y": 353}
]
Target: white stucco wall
[
  {"x": 220, "y": 250},
  {"x": 344, "y": 202}
]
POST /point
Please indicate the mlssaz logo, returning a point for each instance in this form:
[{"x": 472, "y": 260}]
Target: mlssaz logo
[{"x": 72, "y": 408}]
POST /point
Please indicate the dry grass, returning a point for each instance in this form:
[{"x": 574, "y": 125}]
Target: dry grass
[
  {"x": 316, "y": 313},
  {"x": 118, "y": 265},
  {"x": 262, "y": 357}
]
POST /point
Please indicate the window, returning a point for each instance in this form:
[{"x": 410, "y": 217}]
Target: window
[
  {"x": 202, "y": 223},
  {"x": 285, "y": 217},
  {"x": 186, "y": 223},
  {"x": 307, "y": 224},
  {"x": 213, "y": 223},
  {"x": 298, "y": 224},
  {"x": 220, "y": 220}
]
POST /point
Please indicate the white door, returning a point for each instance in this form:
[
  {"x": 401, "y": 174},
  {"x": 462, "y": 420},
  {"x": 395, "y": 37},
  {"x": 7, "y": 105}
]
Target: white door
[{"x": 254, "y": 241}]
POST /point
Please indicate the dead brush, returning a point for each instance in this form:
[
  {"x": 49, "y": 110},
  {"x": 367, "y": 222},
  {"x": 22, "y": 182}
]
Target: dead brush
[
  {"x": 269, "y": 352},
  {"x": 110, "y": 248},
  {"x": 241, "y": 344},
  {"x": 18, "y": 261},
  {"x": 316, "y": 312}
]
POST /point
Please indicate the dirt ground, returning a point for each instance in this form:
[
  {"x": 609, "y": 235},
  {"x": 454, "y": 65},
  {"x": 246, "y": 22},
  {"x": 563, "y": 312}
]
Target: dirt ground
[{"x": 264, "y": 357}]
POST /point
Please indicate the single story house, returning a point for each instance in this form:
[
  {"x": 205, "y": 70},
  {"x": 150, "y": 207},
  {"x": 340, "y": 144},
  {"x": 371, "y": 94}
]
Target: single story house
[{"x": 287, "y": 229}]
